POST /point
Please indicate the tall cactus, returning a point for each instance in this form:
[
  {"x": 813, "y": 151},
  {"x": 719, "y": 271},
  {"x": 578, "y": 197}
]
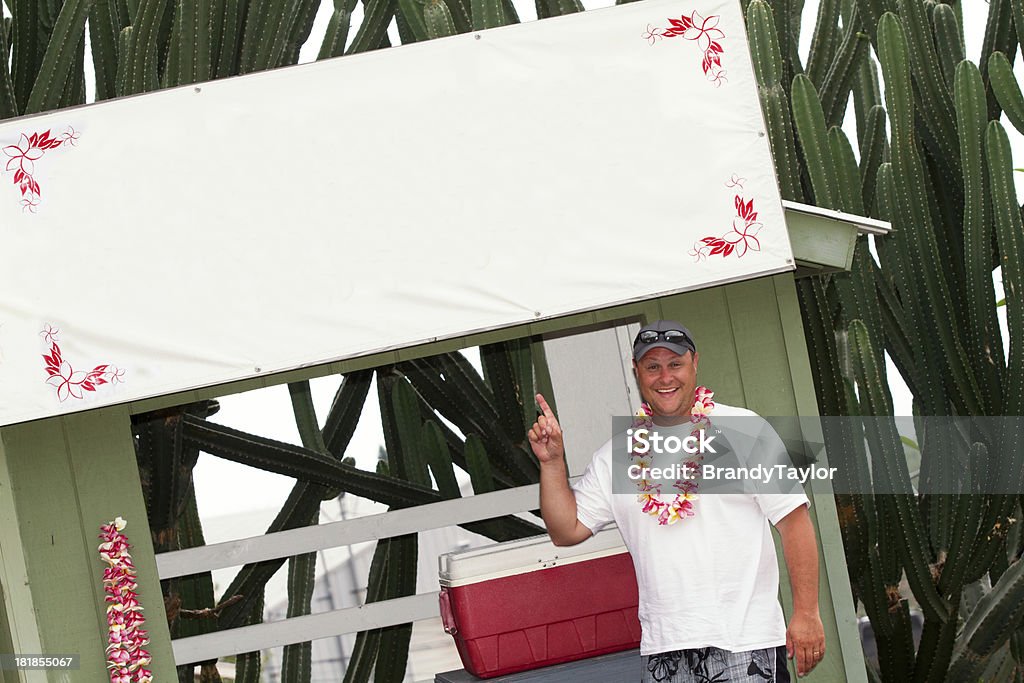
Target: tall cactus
[{"x": 944, "y": 181}]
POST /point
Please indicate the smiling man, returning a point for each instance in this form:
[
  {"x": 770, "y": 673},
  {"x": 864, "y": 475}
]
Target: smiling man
[{"x": 706, "y": 567}]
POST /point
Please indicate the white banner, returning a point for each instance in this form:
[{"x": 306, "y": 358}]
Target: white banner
[{"x": 206, "y": 234}]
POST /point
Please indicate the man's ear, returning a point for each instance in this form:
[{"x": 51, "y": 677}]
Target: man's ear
[{"x": 696, "y": 357}]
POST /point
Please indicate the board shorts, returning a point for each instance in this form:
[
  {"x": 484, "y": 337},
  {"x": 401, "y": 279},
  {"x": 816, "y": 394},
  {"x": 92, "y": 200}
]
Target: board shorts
[{"x": 711, "y": 664}]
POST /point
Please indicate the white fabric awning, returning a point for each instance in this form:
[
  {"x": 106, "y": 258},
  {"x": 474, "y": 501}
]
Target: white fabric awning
[{"x": 207, "y": 234}]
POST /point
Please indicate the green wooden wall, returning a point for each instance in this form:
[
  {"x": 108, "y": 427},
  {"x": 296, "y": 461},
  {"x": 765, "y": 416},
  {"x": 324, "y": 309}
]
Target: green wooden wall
[
  {"x": 6, "y": 641},
  {"x": 68, "y": 475},
  {"x": 754, "y": 355}
]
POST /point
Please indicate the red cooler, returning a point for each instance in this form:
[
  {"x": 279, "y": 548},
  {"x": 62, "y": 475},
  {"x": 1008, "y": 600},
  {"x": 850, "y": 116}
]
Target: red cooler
[{"x": 526, "y": 604}]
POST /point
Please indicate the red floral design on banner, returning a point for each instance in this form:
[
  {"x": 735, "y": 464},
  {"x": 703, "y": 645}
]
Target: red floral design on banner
[
  {"x": 68, "y": 381},
  {"x": 741, "y": 239},
  {"x": 735, "y": 181},
  {"x": 705, "y": 32},
  {"x": 22, "y": 159},
  {"x": 127, "y": 657}
]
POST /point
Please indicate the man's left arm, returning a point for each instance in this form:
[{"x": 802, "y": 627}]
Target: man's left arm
[{"x": 805, "y": 637}]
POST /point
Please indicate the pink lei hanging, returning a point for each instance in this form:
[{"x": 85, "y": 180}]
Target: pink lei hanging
[
  {"x": 651, "y": 499},
  {"x": 127, "y": 657}
]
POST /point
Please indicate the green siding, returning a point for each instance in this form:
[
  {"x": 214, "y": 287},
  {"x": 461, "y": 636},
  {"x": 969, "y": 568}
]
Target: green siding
[
  {"x": 6, "y": 640},
  {"x": 821, "y": 245},
  {"x": 830, "y": 540},
  {"x": 17, "y": 615},
  {"x": 754, "y": 355},
  {"x": 69, "y": 475}
]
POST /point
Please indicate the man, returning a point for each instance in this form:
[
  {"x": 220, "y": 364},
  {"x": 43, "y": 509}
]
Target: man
[{"x": 706, "y": 568}]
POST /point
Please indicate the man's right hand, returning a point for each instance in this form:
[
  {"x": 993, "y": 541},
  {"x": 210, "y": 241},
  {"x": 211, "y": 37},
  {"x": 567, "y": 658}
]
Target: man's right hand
[
  {"x": 557, "y": 502},
  {"x": 546, "y": 435}
]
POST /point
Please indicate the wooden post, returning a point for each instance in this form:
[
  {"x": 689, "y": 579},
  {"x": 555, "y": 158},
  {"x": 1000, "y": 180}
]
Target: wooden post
[{"x": 66, "y": 477}]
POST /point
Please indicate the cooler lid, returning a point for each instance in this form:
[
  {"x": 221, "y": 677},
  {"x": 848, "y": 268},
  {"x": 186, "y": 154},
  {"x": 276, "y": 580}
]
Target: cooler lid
[{"x": 463, "y": 567}]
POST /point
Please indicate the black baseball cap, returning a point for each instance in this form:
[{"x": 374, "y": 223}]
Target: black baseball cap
[{"x": 667, "y": 334}]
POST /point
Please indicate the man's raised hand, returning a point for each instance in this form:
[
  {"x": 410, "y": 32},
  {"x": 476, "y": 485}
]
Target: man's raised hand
[{"x": 545, "y": 435}]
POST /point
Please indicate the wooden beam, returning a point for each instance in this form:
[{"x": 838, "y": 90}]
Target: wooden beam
[
  {"x": 301, "y": 629},
  {"x": 835, "y": 579},
  {"x": 347, "y": 532},
  {"x": 68, "y": 475},
  {"x": 863, "y": 224},
  {"x": 19, "y": 632},
  {"x": 823, "y": 240}
]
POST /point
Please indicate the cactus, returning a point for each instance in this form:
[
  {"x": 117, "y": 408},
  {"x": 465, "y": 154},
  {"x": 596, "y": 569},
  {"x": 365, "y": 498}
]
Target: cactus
[
  {"x": 810, "y": 126},
  {"x": 438, "y": 19},
  {"x": 944, "y": 181},
  {"x": 249, "y": 665},
  {"x": 296, "y": 661},
  {"x": 1006, "y": 89}
]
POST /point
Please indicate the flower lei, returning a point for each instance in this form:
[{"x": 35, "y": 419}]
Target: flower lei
[
  {"x": 127, "y": 657},
  {"x": 650, "y": 497}
]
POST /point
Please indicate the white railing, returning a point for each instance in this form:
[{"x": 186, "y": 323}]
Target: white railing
[{"x": 320, "y": 537}]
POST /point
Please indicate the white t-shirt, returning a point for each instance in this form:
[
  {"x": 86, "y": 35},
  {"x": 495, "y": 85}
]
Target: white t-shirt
[{"x": 707, "y": 580}]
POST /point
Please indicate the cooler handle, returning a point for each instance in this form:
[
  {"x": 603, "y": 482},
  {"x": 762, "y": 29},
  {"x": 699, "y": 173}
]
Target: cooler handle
[{"x": 447, "y": 616}]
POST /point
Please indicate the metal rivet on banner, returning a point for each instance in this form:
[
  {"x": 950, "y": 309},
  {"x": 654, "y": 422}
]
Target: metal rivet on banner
[
  {"x": 477, "y": 36},
  {"x": 257, "y": 369},
  {"x": 198, "y": 89},
  {"x": 536, "y": 314},
  {"x": 760, "y": 133}
]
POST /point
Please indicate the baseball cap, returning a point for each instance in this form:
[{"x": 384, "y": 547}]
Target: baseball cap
[{"x": 667, "y": 334}]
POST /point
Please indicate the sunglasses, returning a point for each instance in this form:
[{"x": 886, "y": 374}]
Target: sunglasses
[{"x": 671, "y": 336}]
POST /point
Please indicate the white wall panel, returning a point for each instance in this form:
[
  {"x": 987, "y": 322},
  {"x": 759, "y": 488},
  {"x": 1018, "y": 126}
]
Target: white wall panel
[{"x": 207, "y": 234}]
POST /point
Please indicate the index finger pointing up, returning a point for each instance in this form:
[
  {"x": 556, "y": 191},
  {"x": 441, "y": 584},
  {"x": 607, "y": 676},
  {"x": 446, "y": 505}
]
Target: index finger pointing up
[{"x": 544, "y": 407}]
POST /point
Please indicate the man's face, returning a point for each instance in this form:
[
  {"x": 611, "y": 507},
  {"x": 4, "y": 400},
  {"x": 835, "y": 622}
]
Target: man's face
[{"x": 667, "y": 381}]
